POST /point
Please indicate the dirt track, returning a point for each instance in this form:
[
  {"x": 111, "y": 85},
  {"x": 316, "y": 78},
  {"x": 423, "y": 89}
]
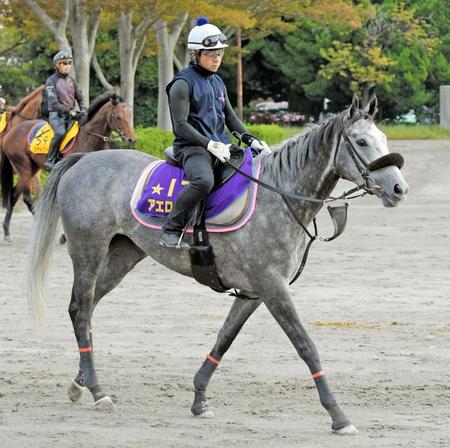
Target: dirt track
[{"x": 375, "y": 301}]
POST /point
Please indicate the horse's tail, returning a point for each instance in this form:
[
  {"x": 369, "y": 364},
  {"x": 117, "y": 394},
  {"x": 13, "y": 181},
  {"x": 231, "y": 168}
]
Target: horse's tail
[
  {"x": 6, "y": 176},
  {"x": 42, "y": 240}
]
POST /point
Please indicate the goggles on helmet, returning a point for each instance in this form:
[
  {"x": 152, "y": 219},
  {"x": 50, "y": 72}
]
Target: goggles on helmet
[{"x": 211, "y": 41}]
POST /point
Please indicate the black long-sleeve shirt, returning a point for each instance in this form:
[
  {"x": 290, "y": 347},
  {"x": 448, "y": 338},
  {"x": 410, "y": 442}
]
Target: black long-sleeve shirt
[{"x": 179, "y": 101}]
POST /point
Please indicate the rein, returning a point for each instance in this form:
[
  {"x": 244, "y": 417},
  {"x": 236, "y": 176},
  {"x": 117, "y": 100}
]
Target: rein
[{"x": 338, "y": 214}]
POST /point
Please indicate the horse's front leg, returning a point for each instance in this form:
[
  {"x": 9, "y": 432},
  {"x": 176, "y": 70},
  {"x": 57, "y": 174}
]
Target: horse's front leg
[
  {"x": 238, "y": 315},
  {"x": 280, "y": 305}
]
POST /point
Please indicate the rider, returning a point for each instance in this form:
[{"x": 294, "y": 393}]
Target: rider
[
  {"x": 200, "y": 109},
  {"x": 61, "y": 92}
]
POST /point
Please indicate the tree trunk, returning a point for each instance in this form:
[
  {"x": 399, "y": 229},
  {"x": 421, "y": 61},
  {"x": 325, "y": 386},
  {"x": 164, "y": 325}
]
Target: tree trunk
[
  {"x": 58, "y": 29},
  {"x": 131, "y": 43},
  {"x": 81, "y": 56},
  {"x": 84, "y": 28},
  {"x": 127, "y": 47},
  {"x": 166, "y": 36}
]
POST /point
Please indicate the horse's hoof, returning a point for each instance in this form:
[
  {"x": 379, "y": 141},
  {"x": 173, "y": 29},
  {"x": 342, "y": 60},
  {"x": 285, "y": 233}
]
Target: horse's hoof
[
  {"x": 8, "y": 239},
  {"x": 346, "y": 430},
  {"x": 75, "y": 391},
  {"x": 202, "y": 410},
  {"x": 105, "y": 404}
]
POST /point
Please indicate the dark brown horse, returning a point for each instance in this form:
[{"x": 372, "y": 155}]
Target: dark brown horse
[
  {"x": 106, "y": 114},
  {"x": 28, "y": 108}
]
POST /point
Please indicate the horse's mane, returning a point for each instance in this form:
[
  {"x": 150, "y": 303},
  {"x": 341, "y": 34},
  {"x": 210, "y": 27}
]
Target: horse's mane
[
  {"x": 24, "y": 101},
  {"x": 99, "y": 102},
  {"x": 295, "y": 152}
]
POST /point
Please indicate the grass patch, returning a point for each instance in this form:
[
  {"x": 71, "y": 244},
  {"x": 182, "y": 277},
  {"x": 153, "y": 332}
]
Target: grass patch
[
  {"x": 415, "y": 132},
  {"x": 272, "y": 133},
  {"x": 154, "y": 141}
]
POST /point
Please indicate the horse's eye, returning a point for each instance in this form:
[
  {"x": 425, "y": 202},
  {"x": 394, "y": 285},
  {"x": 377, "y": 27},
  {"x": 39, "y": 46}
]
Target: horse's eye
[{"x": 361, "y": 142}]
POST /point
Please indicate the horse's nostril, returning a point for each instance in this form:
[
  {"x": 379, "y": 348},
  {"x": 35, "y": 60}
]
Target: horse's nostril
[{"x": 399, "y": 190}]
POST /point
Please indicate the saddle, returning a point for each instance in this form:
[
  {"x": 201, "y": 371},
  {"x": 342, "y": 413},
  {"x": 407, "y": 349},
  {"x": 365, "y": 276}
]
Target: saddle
[{"x": 222, "y": 172}]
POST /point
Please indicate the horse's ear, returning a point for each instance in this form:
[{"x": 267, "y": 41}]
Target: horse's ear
[
  {"x": 115, "y": 99},
  {"x": 372, "y": 106},
  {"x": 354, "y": 107}
]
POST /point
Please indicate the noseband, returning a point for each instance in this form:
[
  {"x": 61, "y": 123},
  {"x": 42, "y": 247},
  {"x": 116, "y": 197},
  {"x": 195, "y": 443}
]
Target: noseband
[{"x": 110, "y": 119}]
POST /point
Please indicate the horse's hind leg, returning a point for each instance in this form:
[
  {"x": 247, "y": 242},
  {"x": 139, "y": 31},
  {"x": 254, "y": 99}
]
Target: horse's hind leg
[
  {"x": 88, "y": 258},
  {"x": 122, "y": 256},
  {"x": 21, "y": 188},
  {"x": 13, "y": 198},
  {"x": 238, "y": 315},
  {"x": 279, "y": 303}
]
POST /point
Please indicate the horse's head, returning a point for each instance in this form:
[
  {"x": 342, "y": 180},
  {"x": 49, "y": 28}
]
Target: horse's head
[
  {"x": 362, "y": 155},
  {"x": 119, "y": 120}
]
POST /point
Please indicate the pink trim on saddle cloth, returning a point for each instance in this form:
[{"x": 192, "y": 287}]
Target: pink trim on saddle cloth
[
  {"x": 69, "y": 146},
  {"x": 223, "y": 229}
]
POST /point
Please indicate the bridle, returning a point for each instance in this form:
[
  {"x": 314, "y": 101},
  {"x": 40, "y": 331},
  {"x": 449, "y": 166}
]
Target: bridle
[
  {"x": 362, "y": 167},
  {"x": 109, "y": 122},
  {"x": 338, "y": 214}
]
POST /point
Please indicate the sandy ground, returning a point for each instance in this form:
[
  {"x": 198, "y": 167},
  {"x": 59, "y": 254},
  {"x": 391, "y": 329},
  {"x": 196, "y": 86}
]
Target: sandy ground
[{"x": 375, "y": 302}]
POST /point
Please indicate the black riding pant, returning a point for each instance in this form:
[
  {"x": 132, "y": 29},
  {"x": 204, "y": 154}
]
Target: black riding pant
[
  {"x": 60, "y": 124},
  {"x": 197, "y": 163}
]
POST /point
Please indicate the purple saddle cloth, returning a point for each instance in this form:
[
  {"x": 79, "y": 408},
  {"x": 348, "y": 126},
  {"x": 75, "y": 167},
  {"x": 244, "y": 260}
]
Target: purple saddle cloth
[{"x": 167, "y": 181}]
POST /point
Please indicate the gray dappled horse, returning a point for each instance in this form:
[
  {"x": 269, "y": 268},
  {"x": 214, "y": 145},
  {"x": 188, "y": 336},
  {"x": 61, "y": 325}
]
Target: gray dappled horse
[{"x": 91, "y": 194}]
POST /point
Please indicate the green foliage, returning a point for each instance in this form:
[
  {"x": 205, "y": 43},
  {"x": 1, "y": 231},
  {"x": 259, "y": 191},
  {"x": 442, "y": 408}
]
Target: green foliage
[
  {"x": 272, "y": 133},
  {"x": 153, "y": 141},
  {"x": 415, "y": 132},
  {"x": 25, "y": 67},
  {"x": 408, "y": 42}
]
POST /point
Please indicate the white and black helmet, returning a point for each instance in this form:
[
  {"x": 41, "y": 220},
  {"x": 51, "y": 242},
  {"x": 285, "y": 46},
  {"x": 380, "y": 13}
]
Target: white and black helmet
[{"x": 206, "y": 36}]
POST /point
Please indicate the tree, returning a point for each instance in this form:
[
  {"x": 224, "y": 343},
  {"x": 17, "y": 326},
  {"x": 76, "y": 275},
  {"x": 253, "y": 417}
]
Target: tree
[
  {"x": 84, "y": 21},
  {"x": 393, "y": 47},
  {"x": 167, "y": 35}
]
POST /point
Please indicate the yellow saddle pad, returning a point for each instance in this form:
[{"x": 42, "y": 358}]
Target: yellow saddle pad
[
  {"x": 2, "y": 122},
  {"x": 41, "y": 135}
]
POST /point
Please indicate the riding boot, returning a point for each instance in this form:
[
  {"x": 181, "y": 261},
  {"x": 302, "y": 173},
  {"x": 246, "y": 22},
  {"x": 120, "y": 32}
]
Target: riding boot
[{"x": 53, "y": 152}]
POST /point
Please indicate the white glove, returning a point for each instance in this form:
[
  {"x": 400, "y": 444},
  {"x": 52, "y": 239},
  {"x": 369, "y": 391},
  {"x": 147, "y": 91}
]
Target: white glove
[
  {"x": 260, "y": 146},
  {"x": 220, "y": 150}
]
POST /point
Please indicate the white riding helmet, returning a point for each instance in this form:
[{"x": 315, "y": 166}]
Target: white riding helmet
[{"x": 206, "y": 36}]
